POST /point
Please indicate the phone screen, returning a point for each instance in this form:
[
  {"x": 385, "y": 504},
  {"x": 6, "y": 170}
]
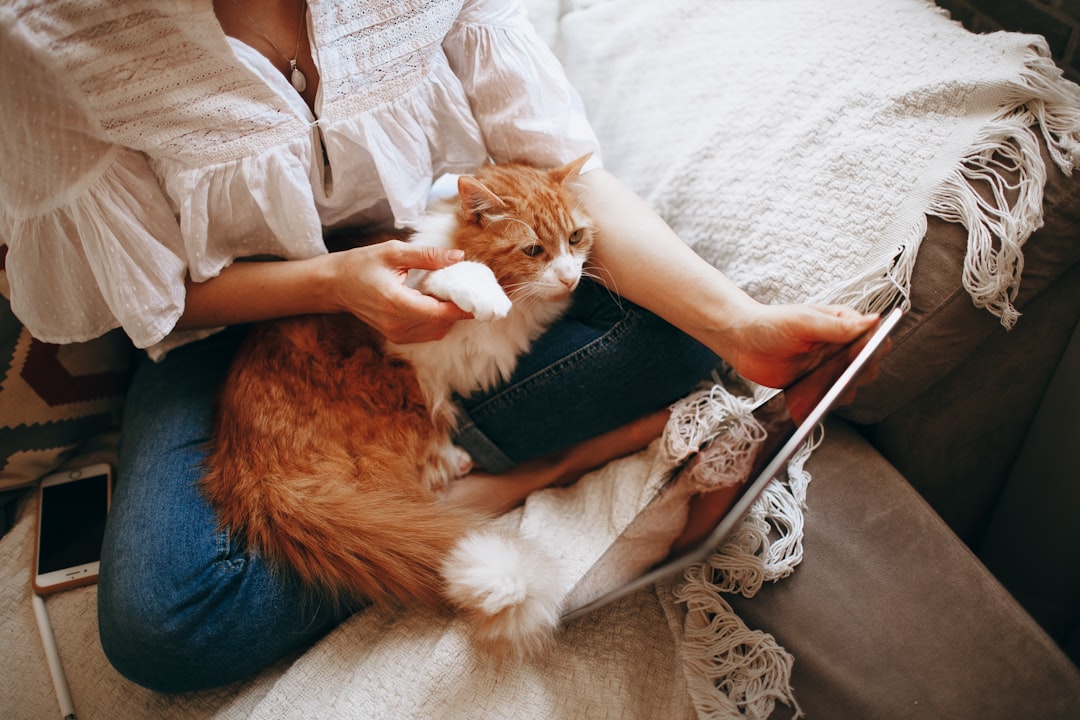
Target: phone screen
[{"x": 72, "y": 523}]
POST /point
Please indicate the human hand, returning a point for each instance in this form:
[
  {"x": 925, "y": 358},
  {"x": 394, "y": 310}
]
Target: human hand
[
  {"x": 773, "y": 345},
  {"x": 371, "y": 285}
]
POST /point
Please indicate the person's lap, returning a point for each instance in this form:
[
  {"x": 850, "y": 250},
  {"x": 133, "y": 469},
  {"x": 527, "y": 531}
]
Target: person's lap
[
  {"x": 183, "y": 605},
  {"x": 180, "y": 604},
  {"x": 607, "y": 363}
]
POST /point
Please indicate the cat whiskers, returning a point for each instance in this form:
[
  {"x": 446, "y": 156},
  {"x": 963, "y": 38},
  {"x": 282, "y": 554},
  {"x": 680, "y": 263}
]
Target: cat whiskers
[
  {"x": 603, "y": 278},
  {"x": 523, "y": 291}
]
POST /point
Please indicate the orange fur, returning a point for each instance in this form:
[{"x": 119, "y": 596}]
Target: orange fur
[
  {"x": 323, "y": 438},
  {"x": 531, "y": 205},
  {"x": 318, "y": 434}
]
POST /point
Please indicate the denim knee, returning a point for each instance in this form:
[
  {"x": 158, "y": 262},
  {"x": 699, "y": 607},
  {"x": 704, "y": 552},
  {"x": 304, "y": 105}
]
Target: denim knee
[
  {"x": 211, "y": 630},
  {"x": 154, "y": 636}
]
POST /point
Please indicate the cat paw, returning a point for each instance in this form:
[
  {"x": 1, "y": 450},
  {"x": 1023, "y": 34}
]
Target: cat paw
[
  {"x": 472, "y": 287},
  {"x": 447, "y": 465},
  {"x": 457, "y": 462},
  {"x": 460, "y": 460}
]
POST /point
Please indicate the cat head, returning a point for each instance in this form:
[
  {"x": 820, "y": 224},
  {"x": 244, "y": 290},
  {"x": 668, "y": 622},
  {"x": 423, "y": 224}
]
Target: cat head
[{"x": 528, "y": 226}]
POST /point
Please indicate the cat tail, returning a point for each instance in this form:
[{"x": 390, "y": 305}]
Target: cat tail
[
  {"x": 508, "y": 587},
  {"x": 396, "y": 545},
  {"x": 383, "y": 545}
]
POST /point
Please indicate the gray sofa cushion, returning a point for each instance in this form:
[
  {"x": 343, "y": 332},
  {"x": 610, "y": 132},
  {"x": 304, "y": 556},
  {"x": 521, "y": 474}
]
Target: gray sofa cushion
[
  {"x": 956, "y": 441},
  {"x": 890, "y": 617},
  {"x": 943, "y": 328}
]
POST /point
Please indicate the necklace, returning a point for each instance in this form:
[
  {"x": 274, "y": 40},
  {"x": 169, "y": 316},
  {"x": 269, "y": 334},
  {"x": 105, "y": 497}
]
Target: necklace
[{"x": 296, "y": 75}]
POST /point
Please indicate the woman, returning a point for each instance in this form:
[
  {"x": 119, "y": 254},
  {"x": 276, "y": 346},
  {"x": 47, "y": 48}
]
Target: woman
[{"x": 149, "y": 145}]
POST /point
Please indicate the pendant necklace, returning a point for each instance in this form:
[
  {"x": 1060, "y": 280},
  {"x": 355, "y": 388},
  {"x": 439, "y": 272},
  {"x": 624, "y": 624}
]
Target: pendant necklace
[{"x": 296, "y": 75}]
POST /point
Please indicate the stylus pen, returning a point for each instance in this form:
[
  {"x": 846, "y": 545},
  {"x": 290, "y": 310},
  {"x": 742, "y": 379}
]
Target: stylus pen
[{"x": 63, "y": 695}]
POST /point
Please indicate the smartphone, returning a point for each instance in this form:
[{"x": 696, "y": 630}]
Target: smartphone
[{"x": 72, "y": 508}]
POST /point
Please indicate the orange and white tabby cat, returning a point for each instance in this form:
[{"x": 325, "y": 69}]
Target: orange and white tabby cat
[{"x": 332, "y": 445}]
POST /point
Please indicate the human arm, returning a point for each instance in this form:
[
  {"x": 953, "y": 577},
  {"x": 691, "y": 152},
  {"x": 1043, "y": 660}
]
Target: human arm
[
  {"x": 94, "y": 242},
  {"x": 528, "y": 110},
  {"x": 368, "y": 282},
  {"x": 768, "y": 344}
]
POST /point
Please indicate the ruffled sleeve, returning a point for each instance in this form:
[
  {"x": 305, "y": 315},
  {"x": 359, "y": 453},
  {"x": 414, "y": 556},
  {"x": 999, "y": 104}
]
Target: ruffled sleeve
[
  {"x": 92, "y": 241},
  {"x": 519, "y": 93}
]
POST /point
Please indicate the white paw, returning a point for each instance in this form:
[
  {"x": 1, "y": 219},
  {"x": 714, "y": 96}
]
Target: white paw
[
  {"x": 459, "y": 461},
  {"x": 471, "y": 286},
  {"x": 444, "y": 466}
]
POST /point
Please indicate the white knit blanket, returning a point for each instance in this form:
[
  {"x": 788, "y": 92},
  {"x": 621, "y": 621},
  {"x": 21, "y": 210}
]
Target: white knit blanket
[
  {"x": 795, "y": 143},
  {"x": 798, "y": 144}
]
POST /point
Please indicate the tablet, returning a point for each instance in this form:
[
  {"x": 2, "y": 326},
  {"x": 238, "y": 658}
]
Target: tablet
[{"x": 698, "y": 522}]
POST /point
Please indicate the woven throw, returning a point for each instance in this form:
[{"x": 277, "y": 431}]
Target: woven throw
[
  {"x": 799, "y": 145},
  {"x": 53, "y": 397}
]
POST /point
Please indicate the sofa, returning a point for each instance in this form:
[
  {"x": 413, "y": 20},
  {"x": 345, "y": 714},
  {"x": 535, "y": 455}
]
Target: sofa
[{"x": 930, "y": 574}]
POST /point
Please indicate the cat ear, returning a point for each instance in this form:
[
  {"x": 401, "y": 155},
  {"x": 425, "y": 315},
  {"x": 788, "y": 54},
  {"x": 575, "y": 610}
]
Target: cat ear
[
  {"x": 476, "y": 199},
  {"x": 571, "y": 171}
]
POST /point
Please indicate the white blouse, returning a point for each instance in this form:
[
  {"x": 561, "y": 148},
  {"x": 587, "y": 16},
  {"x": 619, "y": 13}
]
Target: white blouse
[{"x": 141, "y": 145}]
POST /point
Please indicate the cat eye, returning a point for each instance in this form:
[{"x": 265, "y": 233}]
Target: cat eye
[
  {"x": 577, "y": 236},
  {"x": 533, "y": 250}
]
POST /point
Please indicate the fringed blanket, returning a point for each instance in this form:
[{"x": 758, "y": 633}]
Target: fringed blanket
[{"x": 798, "y": 145}]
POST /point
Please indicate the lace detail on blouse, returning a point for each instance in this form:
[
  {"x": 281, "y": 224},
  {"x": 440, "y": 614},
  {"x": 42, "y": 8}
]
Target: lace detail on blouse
[{"x": 151, "y": 146}]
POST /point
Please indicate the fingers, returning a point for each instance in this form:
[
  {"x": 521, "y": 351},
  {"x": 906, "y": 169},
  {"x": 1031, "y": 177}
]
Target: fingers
[
  {"x": 417, "y": 257},
  {"x": 420, "y": 318},
  {"x": 829, "y": 328},
  {"x": 377, "y": 291},
  {"x": 785, "y": 341},
  {"x": 444, "y": 312},
  {"x": 427, "y": 332},
  {"x": 836, "y": 324}
]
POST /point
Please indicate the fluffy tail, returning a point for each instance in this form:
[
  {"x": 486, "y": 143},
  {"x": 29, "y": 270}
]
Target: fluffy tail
[
  {"x": 391, "y": 545},
  {"x": 508, "y": 587}
]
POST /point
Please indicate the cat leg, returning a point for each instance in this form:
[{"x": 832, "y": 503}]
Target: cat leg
[
  {"x": 449, "y": 463},
  {"x": 499, "y": 493},
  {"x": 469, "y": 285}
]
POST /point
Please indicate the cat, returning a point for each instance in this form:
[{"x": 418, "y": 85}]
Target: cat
[{"x": 331, "y": 444}]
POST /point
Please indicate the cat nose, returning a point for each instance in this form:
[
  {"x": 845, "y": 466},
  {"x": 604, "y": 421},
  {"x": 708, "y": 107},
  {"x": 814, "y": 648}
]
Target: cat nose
[{"x": 567, "y": 272}]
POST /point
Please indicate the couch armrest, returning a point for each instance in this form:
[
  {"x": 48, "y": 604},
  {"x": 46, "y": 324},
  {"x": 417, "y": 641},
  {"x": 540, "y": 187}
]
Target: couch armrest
[
  {"x": 943, "y": 328},
  {"x": 1030, "y": 543},
  {"x": 957, "y": 441}
]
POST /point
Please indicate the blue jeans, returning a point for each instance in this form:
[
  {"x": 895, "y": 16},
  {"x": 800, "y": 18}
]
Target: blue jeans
[{"x": 183, "y": 605}]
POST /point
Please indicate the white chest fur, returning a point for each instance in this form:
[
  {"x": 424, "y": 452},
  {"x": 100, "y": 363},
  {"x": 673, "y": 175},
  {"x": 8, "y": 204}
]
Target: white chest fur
[{"x": 475, "y": 354}]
